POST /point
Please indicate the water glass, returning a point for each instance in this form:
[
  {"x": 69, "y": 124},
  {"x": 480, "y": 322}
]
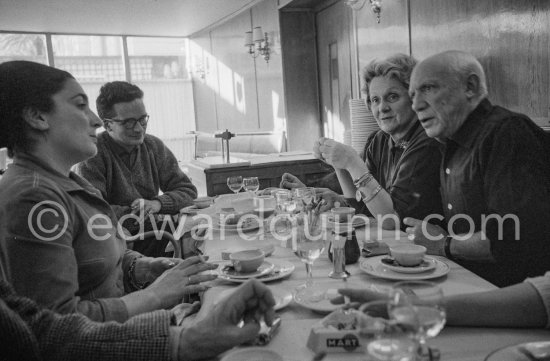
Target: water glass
[
  {"x": 251, "y": 184},
  {"x": 304, "y": 196},
  {"x": 420, "y": 306},
  {"x": 384, "y": 339},
  {"x": 235, "y": 183}
]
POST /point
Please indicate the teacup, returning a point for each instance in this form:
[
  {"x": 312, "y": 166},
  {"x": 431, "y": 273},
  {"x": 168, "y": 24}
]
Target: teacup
[
  {"x": 247, "y": 261},
  {"x": 342, "y": 214},
  {"x": 408, "y": 255}
]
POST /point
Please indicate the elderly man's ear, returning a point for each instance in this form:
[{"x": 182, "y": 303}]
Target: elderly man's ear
[{"x": 472, "y": 86}]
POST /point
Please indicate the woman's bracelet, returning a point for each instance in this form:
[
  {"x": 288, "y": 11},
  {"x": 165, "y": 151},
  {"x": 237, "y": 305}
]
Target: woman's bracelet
[
  {"x": 132, "y": 276},
  {"x": 363, "y": 179},
  {"x": 373, "y": 194}
]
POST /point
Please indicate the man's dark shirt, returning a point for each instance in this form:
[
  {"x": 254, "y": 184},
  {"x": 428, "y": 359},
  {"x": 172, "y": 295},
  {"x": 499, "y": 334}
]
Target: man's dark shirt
[{"x": 497, "y": 163}]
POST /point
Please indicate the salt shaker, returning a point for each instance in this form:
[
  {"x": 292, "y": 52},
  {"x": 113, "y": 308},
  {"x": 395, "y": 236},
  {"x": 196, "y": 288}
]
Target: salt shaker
[{"x": 338, "y": 258}]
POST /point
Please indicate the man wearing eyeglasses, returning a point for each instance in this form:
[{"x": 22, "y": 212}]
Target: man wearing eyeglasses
[{"x": 131, "y": 167}]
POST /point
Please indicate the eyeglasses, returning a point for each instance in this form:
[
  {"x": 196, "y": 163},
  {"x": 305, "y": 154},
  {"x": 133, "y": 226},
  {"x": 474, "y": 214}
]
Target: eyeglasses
[{"x": 130, "y": 123}]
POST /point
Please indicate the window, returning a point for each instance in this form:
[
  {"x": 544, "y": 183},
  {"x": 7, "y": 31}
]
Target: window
[
  {"x": 30, "y": 47},
  {"x": 159, "y": 67}
]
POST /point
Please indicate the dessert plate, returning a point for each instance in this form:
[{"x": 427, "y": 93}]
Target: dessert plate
[
  {"x": 522, "y": 352},
  {"x": 248, "y": 224},
  {"x": 282, "y": 297},
  {"x": 356, "y": 222},
  {"x": 317, "y": 298},
  {"x": 252, "y": 354},
  {"x": 280, "y": 270},
  {"x": 427, "y": 264},
  {"x": 226, "y": 269},
  {"x": 374, "y": 267}
]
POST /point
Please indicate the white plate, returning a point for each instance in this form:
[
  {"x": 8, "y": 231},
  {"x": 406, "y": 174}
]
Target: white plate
[
  {"x": 428, "y": 264},
  {"x": 539, "y": 350},
  {"x": 282, "y": 297},
  {"x": 282, "y": 269},
  {"x": 374, "y": 267},
  {"x": 265, "y": 268},
  {"x": 252, "y": 354},
  {"x": 320, "y": 301}
]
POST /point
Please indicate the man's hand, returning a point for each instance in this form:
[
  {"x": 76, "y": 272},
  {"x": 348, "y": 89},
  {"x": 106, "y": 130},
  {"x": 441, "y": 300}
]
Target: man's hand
[
  {"x": 219, "y": 330},
  {"x": 144, "y": 207},
  {"x": 290, "y": 181},
  {"x": 425, "y": 234},
  {"x": 358, "y": 296}
]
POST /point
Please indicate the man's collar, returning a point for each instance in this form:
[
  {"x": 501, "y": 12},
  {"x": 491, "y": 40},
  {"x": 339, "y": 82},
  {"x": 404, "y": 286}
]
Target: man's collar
[
  {"x": 117, "y": 148},
  {"x": 465, "y": 135}
]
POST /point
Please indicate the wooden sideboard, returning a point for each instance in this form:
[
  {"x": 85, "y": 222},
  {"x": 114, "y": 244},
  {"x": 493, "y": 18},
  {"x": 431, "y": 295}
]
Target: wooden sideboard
[{"x": 212, "y": 181}]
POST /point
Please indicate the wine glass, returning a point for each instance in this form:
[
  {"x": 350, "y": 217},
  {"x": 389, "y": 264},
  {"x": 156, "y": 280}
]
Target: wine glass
[
  {"x": 251, "y": 184},
  {"x": 420, "y": 306},
  {"x": 235, "y": 183},
  {"x": 383, "y": 339},
  {"x": 308, "y": 243}
]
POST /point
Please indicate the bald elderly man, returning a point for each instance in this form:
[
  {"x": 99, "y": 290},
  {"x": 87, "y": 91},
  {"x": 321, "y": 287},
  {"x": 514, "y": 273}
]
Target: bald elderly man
[{"x": 495, "y": 174}]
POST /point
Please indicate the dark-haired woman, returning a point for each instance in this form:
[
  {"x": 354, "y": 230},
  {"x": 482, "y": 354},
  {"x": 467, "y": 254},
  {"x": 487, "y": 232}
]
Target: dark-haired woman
[{"x": 58, "y": 237}]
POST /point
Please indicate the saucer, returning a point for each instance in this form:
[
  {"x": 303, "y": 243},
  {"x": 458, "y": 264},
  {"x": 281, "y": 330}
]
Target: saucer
[
  {"x": 282, "y": 297},
  {"x": 426, "y": 265},
  {"x": 248, "y": 224},
  {"x": 252, "y": 354},
  {"x": 356, "y": 222},
  {"x": 317, "y": 298},
  {"x": 373, "y": 266},
  {"x": 226, "y": 269},
  {"x": 522, "y": 352},
  {"x": 280, "y": 270}
]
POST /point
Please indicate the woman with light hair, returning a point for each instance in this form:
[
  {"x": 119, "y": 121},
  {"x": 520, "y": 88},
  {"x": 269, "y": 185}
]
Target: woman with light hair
[{"x": 397, "y": 175}]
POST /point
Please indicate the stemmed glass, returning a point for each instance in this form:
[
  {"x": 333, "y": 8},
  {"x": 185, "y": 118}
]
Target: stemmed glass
[
  {"x": 420, "y": 306},
  {"x": 251, "y": 184},
  {"x": 308, "y": 243},
  {"x": 235, "y": 183},
  {"x": 381, "y": 338}
]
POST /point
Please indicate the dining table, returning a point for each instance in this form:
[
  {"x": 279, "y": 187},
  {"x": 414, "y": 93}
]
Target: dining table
[{"x": 290, "y": 341}]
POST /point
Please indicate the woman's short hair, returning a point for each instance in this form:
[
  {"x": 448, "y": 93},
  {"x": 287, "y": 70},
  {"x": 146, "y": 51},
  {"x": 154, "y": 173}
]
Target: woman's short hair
[
  {"x": 25, "y": 85},
  {"x": 398, "y": 66},
  {"x": 113, "y": 93}
]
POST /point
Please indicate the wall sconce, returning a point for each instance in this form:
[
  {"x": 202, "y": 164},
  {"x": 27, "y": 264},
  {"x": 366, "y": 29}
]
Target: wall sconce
[
  {"x": 376, "y": 6},
  {"x": 257, "y": 43}
]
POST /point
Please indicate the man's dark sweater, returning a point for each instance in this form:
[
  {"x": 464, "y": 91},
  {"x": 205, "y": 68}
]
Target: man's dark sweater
[{"x": 123, "y": 176}]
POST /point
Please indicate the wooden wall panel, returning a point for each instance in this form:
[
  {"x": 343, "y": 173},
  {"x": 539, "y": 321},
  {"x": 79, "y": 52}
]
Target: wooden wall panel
[
  {"x": 388, "y": 37},
  {"x": 248, "y": 93},
  {"x": 510, "y": 38},
  {"x": 300, "y": 78},
  {"x": 269, "y": 79},
  {"x": 334, "y": 59},
  {"x": 236, "y": 103},
  {"x": 205, "y": 86}
]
